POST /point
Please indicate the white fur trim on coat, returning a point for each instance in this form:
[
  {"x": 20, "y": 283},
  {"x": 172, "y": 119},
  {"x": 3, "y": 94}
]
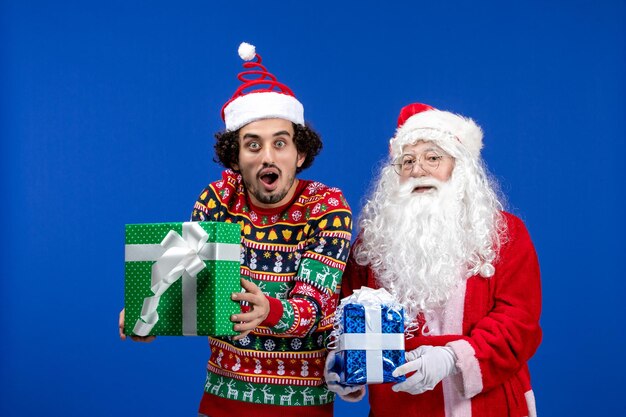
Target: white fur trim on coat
[
  {"x": 469, "y": 367},
  {"x": 530, "y": 402},
  {"x": 263, "y": 105},
  {"x": 456, "y": 405}
]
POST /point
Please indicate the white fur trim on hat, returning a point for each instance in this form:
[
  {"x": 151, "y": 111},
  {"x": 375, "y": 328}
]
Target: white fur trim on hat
[
  {"x": 437, "y": 125},
  {"x": 262, "y": 105}
]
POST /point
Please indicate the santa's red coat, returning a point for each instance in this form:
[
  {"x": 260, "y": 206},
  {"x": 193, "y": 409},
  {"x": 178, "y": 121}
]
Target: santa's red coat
[{"x": 492, "y": 324}]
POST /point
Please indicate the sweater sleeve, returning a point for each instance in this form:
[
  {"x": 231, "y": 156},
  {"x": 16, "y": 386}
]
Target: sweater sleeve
[
  {"x": 500, "y": 344},
  {"x": 313, "y": 300}
]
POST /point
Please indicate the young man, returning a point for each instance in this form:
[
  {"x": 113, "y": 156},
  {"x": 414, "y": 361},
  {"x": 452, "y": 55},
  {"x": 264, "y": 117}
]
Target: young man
[
  {"x": 433, "y": 234},
  {"x": 295, "y": 239}
]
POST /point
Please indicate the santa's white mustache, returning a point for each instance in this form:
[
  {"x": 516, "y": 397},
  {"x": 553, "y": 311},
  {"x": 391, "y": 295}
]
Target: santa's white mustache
[{"x": 407, "y": 187}]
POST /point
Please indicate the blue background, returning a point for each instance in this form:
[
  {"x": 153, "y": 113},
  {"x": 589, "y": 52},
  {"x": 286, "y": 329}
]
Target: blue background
[{"x": 107, "y": 111}]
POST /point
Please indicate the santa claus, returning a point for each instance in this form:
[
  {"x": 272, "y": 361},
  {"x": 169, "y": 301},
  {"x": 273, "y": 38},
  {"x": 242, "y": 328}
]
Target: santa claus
[{"x": 433, "y": 233}]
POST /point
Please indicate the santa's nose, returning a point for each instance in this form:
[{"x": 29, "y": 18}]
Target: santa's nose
[{"x": 418, "y": 171}]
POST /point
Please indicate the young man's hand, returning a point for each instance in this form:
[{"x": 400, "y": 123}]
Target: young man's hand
[
  {"x": 259, "y": 309},
  {"x": 144, "y": 339},
  {"x": 347, "y": 393}
]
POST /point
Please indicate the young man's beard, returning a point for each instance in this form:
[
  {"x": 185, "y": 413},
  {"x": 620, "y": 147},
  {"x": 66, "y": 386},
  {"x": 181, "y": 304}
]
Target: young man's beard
[
  {"x": 416, "y": 243},
  {"x": 254, "y": 187}
]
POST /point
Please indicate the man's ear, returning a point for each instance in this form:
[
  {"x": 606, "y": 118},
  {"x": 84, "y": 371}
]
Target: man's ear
[
  {"x": 234, "y": 166},
  {"x": 301, "y": 158}
]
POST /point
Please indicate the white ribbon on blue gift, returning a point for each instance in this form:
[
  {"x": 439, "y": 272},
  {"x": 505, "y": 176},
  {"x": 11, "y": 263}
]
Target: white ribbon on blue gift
[
  {"x": 373, "y": 341},
  {"x": 177, "y": 256}
]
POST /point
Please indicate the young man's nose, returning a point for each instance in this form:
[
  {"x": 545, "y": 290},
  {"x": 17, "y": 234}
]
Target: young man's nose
[{"x": 267, "y": 155}]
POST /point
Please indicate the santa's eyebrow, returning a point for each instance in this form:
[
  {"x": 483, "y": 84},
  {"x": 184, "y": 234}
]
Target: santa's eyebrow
[
  {"x": 431, "y": 149},
  {"x": 414, "y": 154}
]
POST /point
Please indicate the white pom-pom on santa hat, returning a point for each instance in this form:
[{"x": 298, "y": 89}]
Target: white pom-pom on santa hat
[
  {"x": 246, "y": 51},
  {"x": 419, "y": 121}
]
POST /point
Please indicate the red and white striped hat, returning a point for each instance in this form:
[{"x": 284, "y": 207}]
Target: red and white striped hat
[{"x": 260, "y": 96}]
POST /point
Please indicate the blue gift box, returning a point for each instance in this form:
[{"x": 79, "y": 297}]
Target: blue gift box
[{"x": 371, "y": 345}]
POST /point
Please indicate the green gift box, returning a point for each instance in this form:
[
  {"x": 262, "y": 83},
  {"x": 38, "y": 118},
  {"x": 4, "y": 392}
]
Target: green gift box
[{"x": 179, "y": 278}]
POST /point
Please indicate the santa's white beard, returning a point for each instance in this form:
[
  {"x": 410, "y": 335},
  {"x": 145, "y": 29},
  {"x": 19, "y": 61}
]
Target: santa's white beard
[{"x": 417, "y": 243}]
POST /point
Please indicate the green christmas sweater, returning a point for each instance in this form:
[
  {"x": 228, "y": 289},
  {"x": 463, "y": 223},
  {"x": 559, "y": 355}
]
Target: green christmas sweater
[{"x": 296, "y": 254}]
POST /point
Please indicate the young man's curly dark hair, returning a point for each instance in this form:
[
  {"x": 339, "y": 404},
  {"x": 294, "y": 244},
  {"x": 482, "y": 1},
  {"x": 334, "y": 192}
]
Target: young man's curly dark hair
[{"x": 307, "y": 142}]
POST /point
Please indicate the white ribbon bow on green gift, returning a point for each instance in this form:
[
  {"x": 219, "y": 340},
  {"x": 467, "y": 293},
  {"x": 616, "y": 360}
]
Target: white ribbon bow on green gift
[{"x": 177, "y": 257}]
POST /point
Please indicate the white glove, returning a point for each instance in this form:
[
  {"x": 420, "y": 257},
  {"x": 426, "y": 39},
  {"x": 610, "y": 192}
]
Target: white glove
[
  {"x": 347, "y": 393},
  {"x": 431, "y": 365}
]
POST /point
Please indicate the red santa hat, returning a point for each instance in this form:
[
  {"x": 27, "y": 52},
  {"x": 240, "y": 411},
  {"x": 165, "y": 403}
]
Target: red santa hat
[
  {"x": 419, "y": 121},
  {"x": 260, "y": 96}
]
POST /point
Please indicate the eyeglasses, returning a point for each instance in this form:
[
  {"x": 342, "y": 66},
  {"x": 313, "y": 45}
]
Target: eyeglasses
[{"x": 429, "y": 161}]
